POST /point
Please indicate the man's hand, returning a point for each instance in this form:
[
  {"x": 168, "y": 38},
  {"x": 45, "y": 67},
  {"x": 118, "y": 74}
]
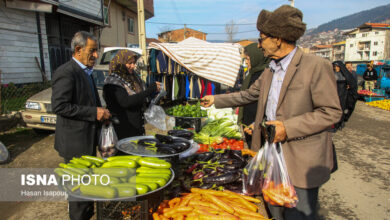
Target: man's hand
[
  {"x": 207, "y": 101},
  {"x": 249, "y": 129},
  {"x": 280, "y": 130},
  {"x": 158, "y": 84},
  {"x": 102, "y": 114}
]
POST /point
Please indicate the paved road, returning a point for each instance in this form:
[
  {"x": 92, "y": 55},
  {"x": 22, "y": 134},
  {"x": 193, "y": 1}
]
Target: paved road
[{"x": 358, "y": 190}]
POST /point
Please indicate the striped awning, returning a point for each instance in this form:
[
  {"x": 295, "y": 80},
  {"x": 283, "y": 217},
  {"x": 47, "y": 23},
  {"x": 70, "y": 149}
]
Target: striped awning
[{"x": 218, "y": 62}]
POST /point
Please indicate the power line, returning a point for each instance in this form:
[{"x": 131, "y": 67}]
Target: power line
[
  {"x": 151, "y": 22},
  {"x": 235, "y": 33}
]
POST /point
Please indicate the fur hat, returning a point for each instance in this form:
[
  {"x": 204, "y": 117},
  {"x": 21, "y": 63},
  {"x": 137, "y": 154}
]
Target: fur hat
[{"x": 285, "y": 22}]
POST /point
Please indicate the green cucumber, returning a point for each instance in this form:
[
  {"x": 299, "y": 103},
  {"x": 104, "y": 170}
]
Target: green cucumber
[
  {"x": 144, "y": 180},
  {"x": 151, "y": 170},
  {"x": 164, "y": 176},
  {"x": 93, "y": 159},
  {"x": 115, "y": 172},
  {"x": 124, "y": 157},
  {"x": 121, "y": 163},
  {"x": 154, "y": 163},
  {"x": 126, "y": 191},
  {"x": 106, "y": 192},
  {"x": 81, "y": 161},
  {"x": 141, "y": 188}
]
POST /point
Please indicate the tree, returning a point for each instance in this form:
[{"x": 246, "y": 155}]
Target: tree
[{"x": 231, "y": 29}]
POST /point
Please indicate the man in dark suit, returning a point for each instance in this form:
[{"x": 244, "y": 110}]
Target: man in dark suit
[{"x": 76, "y": 102}]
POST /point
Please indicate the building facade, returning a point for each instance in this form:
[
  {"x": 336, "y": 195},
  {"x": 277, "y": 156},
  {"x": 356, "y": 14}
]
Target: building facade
[
  {"x": 338, "y": 51},
  {"x": 324, "y": 51},
  {"x": 180, "y": 35},
  {"x": 370, "y": 41}
]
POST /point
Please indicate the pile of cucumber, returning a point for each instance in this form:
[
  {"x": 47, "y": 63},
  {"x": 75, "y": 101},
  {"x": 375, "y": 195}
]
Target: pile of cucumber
[{"x": 115, "y": 177}]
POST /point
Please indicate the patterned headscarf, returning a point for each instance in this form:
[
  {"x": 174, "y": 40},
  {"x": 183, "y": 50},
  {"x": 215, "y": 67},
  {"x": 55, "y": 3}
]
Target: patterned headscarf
[{"x": 120, "y": 75}]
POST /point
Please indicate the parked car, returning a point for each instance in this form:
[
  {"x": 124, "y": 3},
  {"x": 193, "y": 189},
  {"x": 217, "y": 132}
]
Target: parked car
[{"x": 38, "y": 113}]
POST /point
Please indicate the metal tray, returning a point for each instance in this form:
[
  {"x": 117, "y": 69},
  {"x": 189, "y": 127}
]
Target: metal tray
[
  {"x": 132, "y": 198},
  {"x": 125, "y": 145}
]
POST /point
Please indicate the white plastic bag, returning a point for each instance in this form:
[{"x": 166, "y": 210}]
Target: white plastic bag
[
  {"x": 155, "y": 115},
  {"x": 107, "y": 141}
]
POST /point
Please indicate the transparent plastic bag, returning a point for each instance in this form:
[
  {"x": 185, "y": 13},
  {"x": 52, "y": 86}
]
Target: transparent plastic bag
[
  {"x": 107, "y": 141},
  {"x": 253, "y": 174},
  {"x": 276, "y": 186},
  {"x": 155, "y": 115}
]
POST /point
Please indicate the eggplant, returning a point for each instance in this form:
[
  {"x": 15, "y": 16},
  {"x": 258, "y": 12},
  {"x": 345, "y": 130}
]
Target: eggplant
[
  {"x": 208, "y": 170},
  {"x": 166, "y": 150},
  {"x": 233, "y": 166},
  {"x": 205, "y": 156},
  {"x": 182, "y": 133},
  {"x": 236, "y": 154},
  {"x": 180, "y": 146},
  {"x": 189, "y": 170},
  {"x": 164, "y": 138},
  {"x": 147, "y": 142},
  {"x": 206, "y": 185},
  {"x": 222, "y": 179},
  {"x": 198, "y": 175}
]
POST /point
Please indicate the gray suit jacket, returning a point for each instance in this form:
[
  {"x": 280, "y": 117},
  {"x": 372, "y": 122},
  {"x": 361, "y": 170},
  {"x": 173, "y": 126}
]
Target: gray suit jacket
[{"x": 308, "y": 105}]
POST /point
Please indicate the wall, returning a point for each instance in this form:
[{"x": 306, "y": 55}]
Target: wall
[
  {"x": 91, "y": 7},
  {"x": 19, "y": 46},
  {"x": 351, "y": 53},
  {"x": 116, "y": 33}
]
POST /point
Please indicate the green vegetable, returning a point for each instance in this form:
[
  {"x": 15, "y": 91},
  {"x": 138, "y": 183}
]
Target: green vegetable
[
  {"x": 107, "y": 192},
  {"x": 164, "y": 176},
  {"x": 146, "y": 180},
  {"x": 187, "y": 111},
  {"x": 154, "y": 164},
  {"x": 120, "y": 163},
  {"x": 93, "y": 158},
  {"x": 115, "y": 172},
  {"x": 151, "y": 170},
  {"x": 124, "y": 157},
  {"x": 126, "y": 191},
  {"x": 81, "y": 161},
  {"x": 141, "y": 188}
]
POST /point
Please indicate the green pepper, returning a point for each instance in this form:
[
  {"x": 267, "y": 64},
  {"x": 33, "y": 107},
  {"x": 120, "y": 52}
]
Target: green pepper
[
  {"x": 154, "y": 164},
  {"x": 107, "y": 192}
]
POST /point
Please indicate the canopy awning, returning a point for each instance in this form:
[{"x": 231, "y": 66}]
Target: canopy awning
[{"x": 218, "y": 62}]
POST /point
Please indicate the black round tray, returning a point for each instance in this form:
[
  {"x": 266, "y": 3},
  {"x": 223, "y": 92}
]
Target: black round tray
[
  {"x": 132, "y": 198},
  {"x": 125, "y": 145}
]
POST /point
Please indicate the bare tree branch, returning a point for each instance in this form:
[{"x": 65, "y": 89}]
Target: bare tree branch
[{"x": 231, "y": 30}]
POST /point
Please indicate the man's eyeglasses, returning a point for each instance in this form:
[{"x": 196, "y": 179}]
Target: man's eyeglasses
[{"x": 261, "y": 39}]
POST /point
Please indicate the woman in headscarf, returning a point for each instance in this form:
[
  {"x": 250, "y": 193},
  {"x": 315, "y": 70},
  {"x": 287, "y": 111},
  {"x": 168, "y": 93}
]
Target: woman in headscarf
[
  {"x": 256, "y": 63},
  {"x": 126, "y": 96}
]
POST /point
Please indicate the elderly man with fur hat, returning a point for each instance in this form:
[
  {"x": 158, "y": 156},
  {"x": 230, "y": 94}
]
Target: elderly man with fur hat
[{"x": 297, "y": 94}]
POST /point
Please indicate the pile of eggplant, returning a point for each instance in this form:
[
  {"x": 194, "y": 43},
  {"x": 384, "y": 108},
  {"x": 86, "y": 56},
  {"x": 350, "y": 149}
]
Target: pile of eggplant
[
  {"x": 164, "y": 144},
  {"x": 218, "y": 170},
  {"x": 181, "y": 133}
]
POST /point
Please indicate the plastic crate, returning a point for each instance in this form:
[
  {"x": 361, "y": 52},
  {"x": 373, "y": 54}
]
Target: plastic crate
[
  {"x": 380, "y": 92},
  {"x": 372, "y": 98}
]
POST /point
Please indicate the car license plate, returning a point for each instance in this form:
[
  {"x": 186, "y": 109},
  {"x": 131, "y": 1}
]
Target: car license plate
[{"x": 48, "y": 119}]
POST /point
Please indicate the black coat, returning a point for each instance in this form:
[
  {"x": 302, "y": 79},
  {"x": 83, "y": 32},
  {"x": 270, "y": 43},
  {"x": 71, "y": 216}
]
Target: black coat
[
  {"x": 127, "y": 108},
  {"x": 72, "y": 100}
]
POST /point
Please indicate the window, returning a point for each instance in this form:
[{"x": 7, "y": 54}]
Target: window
[
  {"x": 374, "y": 53},
  {"x": 376, "y": 32},
  {"x": 364, "y": 35},
  {"x": 106, "y": 15},
  {"x": 375, "y": 42},
  {"x": 351, "y": 45},
  {"x": 130, "y": 25}
]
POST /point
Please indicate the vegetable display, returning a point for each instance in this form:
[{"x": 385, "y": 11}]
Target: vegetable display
[
  {"x": 209, "y": 204},
  {"x": 217, "y": 170},
  {"x": 367, "y": 93},
  {"x": 214, "y": 131},
  {"x": 163, "y": 144},
  {"x": 383, "y": 104},
  {"x": 232, "y": 144},
  {"x": 116, "y": 177},
  {"x": 187, "y": 111}
]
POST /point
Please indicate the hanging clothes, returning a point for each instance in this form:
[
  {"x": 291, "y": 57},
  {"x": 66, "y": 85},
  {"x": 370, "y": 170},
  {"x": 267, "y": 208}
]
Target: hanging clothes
[
  {"x": 187, "y": 86},
  {"x": 191, "y": 86},
  {"x": 213, "y": 89},
  {"x": 162, "y": 64},
  {"x": 152, "y": 61},
  {"x": 209, "y": 89},
  {"x": 177, "y": 87}
]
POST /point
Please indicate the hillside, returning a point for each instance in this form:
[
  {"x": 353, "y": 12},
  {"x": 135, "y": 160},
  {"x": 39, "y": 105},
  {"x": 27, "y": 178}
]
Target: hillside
[{"x": 375, "y": 15}]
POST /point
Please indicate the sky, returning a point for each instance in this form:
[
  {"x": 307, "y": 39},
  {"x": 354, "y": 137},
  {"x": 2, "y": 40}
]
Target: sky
[{"x": 210, "y": 16}]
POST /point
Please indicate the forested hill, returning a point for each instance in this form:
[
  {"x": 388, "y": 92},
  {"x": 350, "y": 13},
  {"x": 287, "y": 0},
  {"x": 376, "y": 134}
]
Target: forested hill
[{"x": 375, "y": 15}]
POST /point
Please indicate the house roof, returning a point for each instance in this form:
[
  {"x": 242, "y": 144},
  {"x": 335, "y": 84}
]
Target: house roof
[
  {"x": 245, "y": 43},
  {"x": 339, "y": 43},
  {"x": 150, "y": 40},
  {"x": 374, "y": 25},
  {"x": 181, "y": 29},
  {"x": 322, "y": 46}
]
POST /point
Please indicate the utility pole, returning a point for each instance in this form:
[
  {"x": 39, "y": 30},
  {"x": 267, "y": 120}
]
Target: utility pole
[
  {"x": 292, "y": 3},
  {"x": 142, "y": 37}
]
